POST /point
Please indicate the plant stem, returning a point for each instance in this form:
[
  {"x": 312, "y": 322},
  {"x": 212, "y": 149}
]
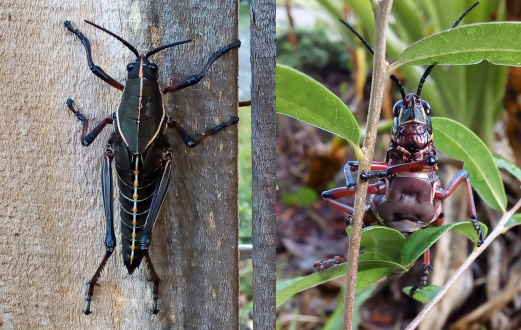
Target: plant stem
[
  {"x": 380, "y": 79},
  {"x": 492, "y": 236}
]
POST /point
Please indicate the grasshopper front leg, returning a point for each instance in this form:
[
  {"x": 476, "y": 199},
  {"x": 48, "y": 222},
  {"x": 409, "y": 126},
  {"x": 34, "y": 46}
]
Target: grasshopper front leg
[{"x": 94, "y": 68}]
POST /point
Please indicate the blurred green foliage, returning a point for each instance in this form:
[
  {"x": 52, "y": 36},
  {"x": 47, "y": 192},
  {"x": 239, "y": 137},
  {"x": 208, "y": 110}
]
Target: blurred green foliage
[
  {"x": 245, "y": 187},
  {"x": 316, "y": 50},
  {"x": 246, "y": 288},
  {"x": 305, "y": 196}
]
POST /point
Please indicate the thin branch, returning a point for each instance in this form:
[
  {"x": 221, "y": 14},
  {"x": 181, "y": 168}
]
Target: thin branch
[
  {"x": 380, "y": 78},
  {"x": 491, "y": 237}
]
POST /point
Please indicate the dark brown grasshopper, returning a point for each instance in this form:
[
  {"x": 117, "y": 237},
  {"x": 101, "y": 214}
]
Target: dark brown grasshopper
[{"x": 408, "y": 194}]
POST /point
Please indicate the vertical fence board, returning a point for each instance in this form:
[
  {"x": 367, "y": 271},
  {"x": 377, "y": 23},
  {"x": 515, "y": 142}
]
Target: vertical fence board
[
  {"x": 262, "y": 18},
  {"x": 53, "y": 221}
]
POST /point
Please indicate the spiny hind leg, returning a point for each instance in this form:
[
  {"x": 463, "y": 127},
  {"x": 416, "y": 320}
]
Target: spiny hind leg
[
  {"x": 110, "y": 237},
  {"x": 94, "y": 281},
  {"x": 460, "y": 177},
  {"x": 155, "y": 279},
  {"x": 427, "y": 268},
  {"x": 155, "y": 206}
]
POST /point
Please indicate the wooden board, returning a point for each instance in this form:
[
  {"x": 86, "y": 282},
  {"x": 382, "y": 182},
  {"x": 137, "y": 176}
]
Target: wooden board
[{"x": 53, "y": 225}]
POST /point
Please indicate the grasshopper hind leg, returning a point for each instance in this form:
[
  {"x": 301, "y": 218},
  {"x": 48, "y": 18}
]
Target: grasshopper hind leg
[{"x": 110, "y": 237}]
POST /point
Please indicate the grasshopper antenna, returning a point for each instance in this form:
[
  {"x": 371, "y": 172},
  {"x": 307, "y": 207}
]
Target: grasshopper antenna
[
  {"x": 393, "y": 77},
  {"x": 429, "y": 68},
  {"x": 158, "y": 49},
  {"x": 126, "y": 43}
]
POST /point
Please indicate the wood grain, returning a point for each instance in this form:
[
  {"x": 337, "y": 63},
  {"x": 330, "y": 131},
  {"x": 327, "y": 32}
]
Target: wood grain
[
  {"x": 262, "y": 19},
  {"x": 53, "y": 220}
]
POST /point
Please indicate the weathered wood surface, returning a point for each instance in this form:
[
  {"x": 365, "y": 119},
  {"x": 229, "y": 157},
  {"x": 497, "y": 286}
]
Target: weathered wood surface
[
  {"x": 52, "y": 219},
  {"x": 262, "y": 18}
]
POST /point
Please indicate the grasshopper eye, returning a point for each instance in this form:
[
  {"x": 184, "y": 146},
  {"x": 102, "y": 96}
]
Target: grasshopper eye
[
  {"x": 152, "y": 67},
  {"x": 130, "y": 66},
  {"x": 397, "y": 108},
  {"x": 426, "y": 107}
]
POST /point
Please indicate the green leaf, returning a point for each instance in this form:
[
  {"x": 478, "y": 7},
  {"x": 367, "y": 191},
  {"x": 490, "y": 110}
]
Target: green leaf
[
  {"x": 377, "y": 243},
  {"x": 303, "y": 98},
  {"x": 419, "y": 241},
  {"x": 381, "y": 243},
  {"x": 467, "y": 228},
  {"x": 370, "y": 271},
  {"x": 509, "y": 166},
  {"x": 496, "y": 42},
  {"x": 514, "y": 221},
  {"x": 288, "y": 288},
  {"x": 423, "y": 295},
  {"x": 457, "y": 141},
  {"x": 283, "y": 284}
]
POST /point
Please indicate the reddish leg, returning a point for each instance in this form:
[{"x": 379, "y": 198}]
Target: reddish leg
[
  {"x": 441, "y": 194},
  {"x": 426, "y": 270},
  {"x": 352, "y": 166},
  {"x": 329, "y": 196},
  {"x": 428, "y": 161}
]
